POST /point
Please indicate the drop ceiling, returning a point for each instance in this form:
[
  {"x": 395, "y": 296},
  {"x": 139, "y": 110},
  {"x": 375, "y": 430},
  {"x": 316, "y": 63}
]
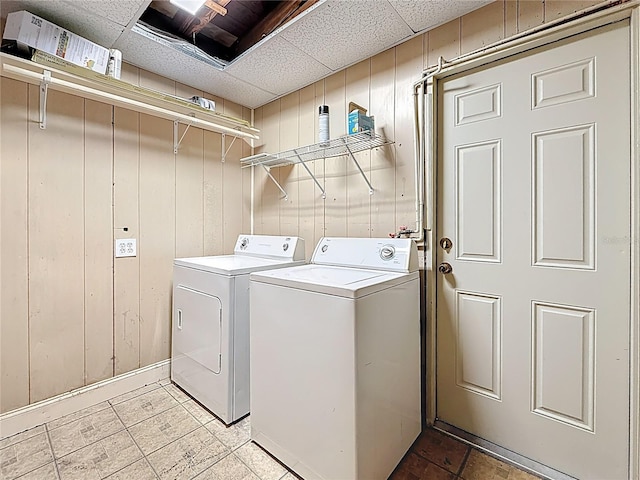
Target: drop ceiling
[{"x": 326, "y": 38}]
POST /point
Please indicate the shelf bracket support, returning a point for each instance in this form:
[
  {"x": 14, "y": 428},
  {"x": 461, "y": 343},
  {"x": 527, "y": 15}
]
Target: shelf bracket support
[
  {"x": 359, "y": 168},
  {"x": 225, "y": 150},
  {"x": 324, "y": 194},
  {"x": 176, "y": 142},
  {"x": 267, "y": 169},
  {"x": 44, "y": 90}
]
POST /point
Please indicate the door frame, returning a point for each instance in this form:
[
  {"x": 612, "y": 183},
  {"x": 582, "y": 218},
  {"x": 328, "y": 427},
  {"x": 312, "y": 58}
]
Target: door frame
[{"x": 544, "y": 35}]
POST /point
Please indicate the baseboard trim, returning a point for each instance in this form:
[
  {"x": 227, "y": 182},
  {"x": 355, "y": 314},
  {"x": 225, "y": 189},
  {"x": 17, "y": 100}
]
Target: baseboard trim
[{"x": 38, "y": 413}]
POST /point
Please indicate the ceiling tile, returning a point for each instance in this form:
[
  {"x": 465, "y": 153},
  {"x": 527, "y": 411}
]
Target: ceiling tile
[
  {"x": 423, "y": 15},
  {"x": 277, "y": 66},
  {"x": 121, "y": 12},
  {"x": 162, "y": 60},
  {"x": 71, "y": 17},
  {"x": 340, "y": 33}
]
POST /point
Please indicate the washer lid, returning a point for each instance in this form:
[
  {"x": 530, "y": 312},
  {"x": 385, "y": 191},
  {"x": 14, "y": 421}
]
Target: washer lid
[
  {"x": 234, "y": 264},
  {"x": 339, "y": 281}
]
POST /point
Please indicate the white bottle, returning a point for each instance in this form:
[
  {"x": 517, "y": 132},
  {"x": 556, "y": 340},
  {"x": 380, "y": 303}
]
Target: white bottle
[{"x": 323, "y": 125}]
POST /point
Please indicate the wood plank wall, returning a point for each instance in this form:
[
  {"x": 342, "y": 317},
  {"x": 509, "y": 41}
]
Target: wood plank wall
[
  {"x": 71, "y": 314},
  {"x": 383, "y": 85}
]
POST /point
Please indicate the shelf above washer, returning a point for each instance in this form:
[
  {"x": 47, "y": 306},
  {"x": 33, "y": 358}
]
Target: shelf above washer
[{"x": 344, "y": 145}]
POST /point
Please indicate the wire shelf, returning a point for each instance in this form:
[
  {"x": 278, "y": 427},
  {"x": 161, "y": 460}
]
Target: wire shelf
[{"x": 345, "y": 145}]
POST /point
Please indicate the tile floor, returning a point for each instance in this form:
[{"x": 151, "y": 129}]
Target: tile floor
[{"x": 159, "y": 432}]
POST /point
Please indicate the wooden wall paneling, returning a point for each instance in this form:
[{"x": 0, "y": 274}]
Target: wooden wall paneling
[
  {"x": 213, "y": 235},
  {"x": 383, "y": 163},
  {"x": 231, "y": 183},
  {"x": 444, "y": 41},
  {"x": 319, "y": 169},
  {"x": 554, "y": 9},
  {"x": 510, "y": 17},
  {"x": 307, "y": 190},
  {"x": 258, "y": 173},
  {"x": 130, "y": 73},
  {"x": 156, "y": 243},
  {"x": 14, "y": 294},
  {"x": 98, "y": 245},
  {"x": 189, "y": 186},
  {"x": 266, "y": 190},
  {"x": 289, "y": 138},
  {"x": 530, "y": 14},
  {"x": 56, "y": 245},
  {"x": 246, "y": 179},
  {"x": 408, "y": 71},
  {"x": 126, "y": 171},
  {"x": 336, "y": 167},
  {"x": 358, "y": 79},
  {"x": 156, "y": 82},
  {"x": 482, "y": 27}
]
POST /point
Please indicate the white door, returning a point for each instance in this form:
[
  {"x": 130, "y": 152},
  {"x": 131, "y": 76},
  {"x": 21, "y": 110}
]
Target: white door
[{"x": 534, "y": 194}]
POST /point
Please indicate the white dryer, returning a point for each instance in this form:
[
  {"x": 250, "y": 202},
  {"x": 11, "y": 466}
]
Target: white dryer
[
  {"x": 210, "y": 321},
  {"x": 335, "y": 359}
]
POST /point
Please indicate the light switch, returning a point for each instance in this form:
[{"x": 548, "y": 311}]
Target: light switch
[{"x": 125, "y": 247}]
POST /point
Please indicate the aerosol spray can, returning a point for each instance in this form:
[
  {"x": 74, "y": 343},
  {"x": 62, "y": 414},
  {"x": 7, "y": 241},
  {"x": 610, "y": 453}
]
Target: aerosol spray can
[
  {"x": 323, "y": 125},
  {"x": 114, "y": 66}
]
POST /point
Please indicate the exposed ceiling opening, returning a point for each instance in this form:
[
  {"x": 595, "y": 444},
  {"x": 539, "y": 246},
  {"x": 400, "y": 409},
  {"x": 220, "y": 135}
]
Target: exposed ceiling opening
[{"x": 223, "y": 29}]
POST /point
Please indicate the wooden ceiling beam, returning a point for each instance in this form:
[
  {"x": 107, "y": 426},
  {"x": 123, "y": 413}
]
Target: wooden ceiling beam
[
  {"x": 193, "y": 24},
  {"x": 272, "y": 21}
]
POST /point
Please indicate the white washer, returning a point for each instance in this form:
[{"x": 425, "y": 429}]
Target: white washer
[
  {"x": 335, "y": 359},
  {"x": 210, "y": 325}
]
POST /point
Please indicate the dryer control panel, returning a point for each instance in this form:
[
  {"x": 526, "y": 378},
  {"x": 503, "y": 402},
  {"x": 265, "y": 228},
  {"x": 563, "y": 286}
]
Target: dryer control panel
[
  {"x": 270, "y": 246},
  {"x": 391, "y": 254}
]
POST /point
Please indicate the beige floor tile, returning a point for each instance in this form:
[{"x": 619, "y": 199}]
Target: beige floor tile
[
  {"x": 289, "y": 476},
  {"x": 165, "y": 381},
  {"x": 188, "y": 456},
  {"x": 414, "y": 467},
  {"x": 229, "y": 468},
  {"x": 84, "y": 431},
  {"x": 144, "y": 406},
  {"x": 441, "y": 449},
  {"x": 140, "y": 470},
  {"x": 19, "y": 437},
  {"x": 164, "y": 428},
  {"x": 85, "y": 412},
  {"x": 260, "y": 462},
  {"x": 199, "y": 412},
  {"x": 100, "y": 459},
  {"x": 233, "y": 436},
  {"x": 480, "y": 466},
  {"x": 25, "y": 456},
  {"x": 46, "y": 472},
  {"x": 176, "y": 393},
  {"x": 134, "y": 393}
]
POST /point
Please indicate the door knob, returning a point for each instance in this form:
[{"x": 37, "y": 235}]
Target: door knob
[{"x": 445, "y": 267}]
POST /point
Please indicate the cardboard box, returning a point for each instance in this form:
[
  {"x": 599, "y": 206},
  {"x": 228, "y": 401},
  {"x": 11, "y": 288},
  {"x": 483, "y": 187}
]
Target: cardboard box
[
  {"x": 358, "y": 121},
  {"x": 29, "y": 31}
]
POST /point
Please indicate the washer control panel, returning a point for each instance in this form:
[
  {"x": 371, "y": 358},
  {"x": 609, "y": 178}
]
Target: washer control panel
[
  {"x": 393, "y": 254},
  {"x": 270, "y": 246}
]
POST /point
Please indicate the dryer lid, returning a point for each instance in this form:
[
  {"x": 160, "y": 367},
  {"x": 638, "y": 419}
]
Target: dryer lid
[{"x": 234, "y": 264}]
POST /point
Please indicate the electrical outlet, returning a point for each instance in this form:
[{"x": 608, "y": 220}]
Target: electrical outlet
[{"x": 125, "y": 247}]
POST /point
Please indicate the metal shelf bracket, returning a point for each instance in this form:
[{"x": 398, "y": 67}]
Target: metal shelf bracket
[
  {"x": 176, "y": 142},
  {"x": 44, "y": 90},
  {"x": 359, "y": 168},
  {"x": 324, "y": 194},
  {"x": 267, "y": 169},
  {"x": 225, "y": 149}
]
